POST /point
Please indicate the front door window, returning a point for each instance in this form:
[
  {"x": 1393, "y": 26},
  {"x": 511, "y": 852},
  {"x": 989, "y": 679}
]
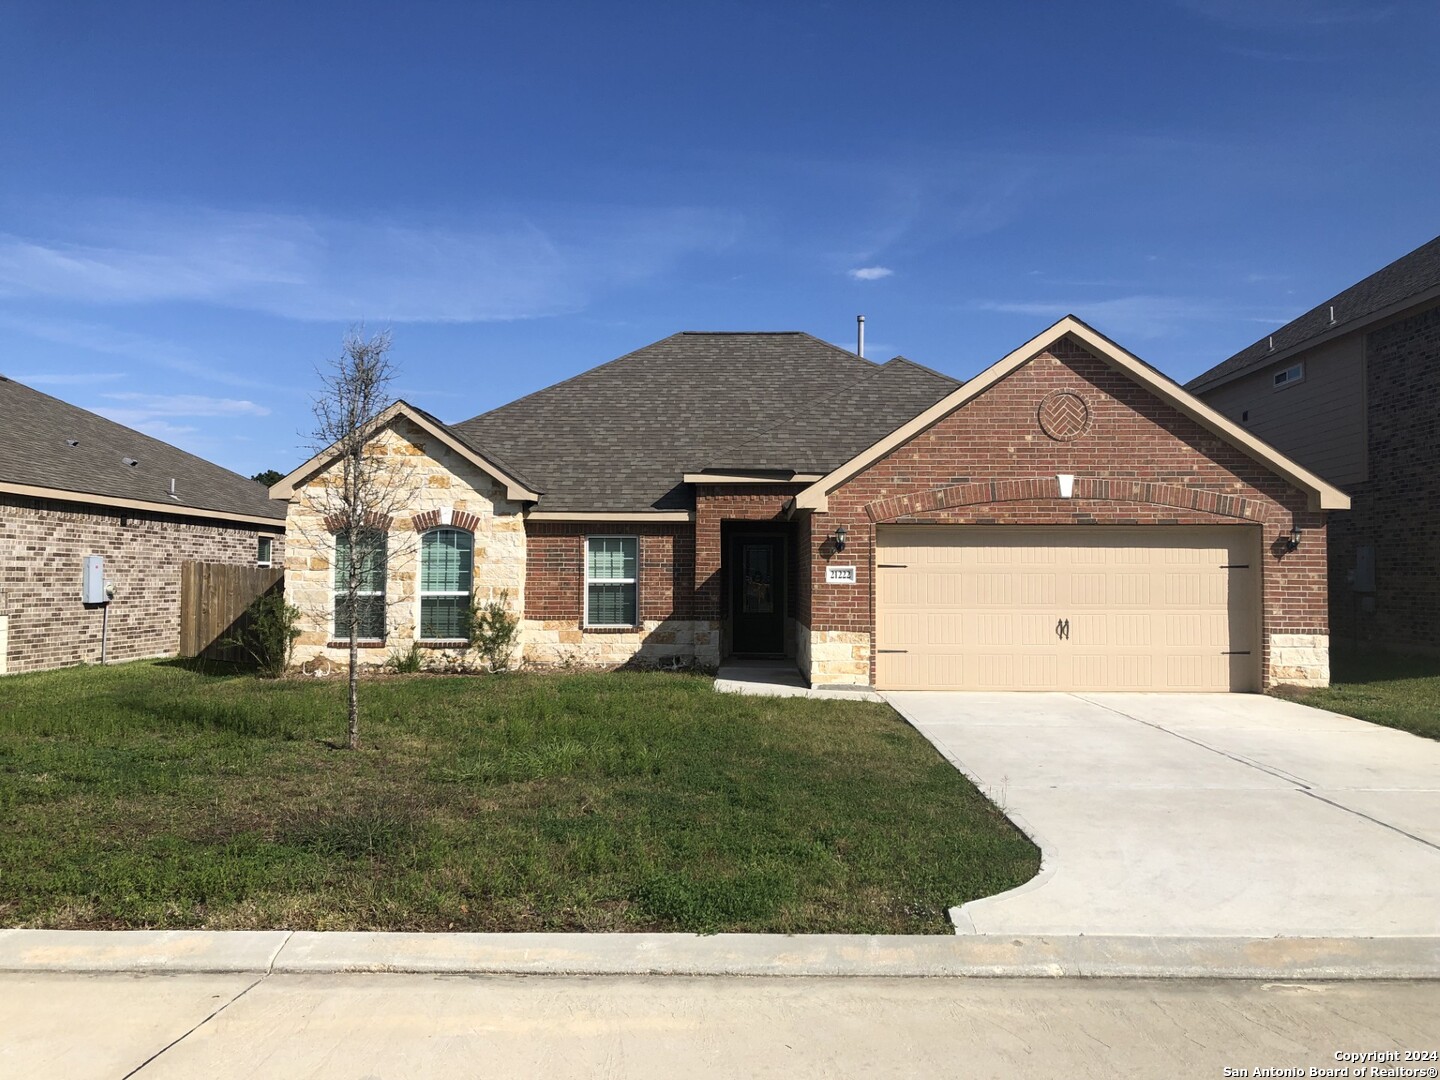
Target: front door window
[{"x": 759, "y": 571}]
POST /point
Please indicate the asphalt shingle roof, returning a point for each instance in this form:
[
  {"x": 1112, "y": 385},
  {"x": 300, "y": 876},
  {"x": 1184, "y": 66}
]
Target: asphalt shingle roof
[
  {"x": 36, "y": 436},
  {"x": 1408, "y": 276},
  {"x": 620, "y": 436}
]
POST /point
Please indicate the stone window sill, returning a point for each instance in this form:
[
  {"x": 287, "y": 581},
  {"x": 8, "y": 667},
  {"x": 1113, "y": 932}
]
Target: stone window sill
[
  {"x": 363, "y": 643},
  {"x": 611, "y": 629},
  {"x": 443, "y": 643}
]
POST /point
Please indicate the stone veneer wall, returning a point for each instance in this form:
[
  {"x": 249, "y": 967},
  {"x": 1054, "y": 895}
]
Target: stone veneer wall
[
  {"x": 1141, "y": 462},
  {"x": 434, "y": 483},
  {"x": 43, "y": 544}
]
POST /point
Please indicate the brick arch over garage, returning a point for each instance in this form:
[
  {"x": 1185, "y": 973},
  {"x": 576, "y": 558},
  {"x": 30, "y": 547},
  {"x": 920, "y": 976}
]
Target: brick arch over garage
[{"x": 989, "y": 492}]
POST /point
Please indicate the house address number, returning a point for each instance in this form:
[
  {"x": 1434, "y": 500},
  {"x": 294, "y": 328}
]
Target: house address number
[{"x": 840, "y": 575}]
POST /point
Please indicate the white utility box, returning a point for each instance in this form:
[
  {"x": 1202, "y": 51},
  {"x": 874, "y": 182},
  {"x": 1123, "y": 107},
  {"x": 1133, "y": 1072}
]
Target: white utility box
[{"x": 92, "y": 587}]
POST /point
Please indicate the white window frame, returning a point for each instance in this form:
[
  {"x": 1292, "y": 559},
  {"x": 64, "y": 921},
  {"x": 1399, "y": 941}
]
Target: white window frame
[
  {"x": 422, "y": 593},
  {"x": 1288, "y": 377},
  {"x": 635, "y": 581},
  {"x": 337, "y": 592},
  {"x": 269, "y": 544}
]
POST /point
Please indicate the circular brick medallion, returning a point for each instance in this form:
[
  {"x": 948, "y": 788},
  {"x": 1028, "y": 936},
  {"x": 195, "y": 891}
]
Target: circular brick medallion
[{"x": 1063, "y": 415}]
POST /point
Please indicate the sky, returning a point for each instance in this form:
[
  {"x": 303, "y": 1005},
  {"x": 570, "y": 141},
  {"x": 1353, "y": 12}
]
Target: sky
[{"x": 198, "y": 201}]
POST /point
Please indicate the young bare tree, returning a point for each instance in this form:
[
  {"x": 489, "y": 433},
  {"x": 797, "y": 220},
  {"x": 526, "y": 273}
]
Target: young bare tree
[{"x": 366, "y": 489}]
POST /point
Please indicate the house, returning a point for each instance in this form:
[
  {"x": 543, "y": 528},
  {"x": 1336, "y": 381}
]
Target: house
[
  {"x": 74, "y": 485},
  {"x": 1068, "y": 519},
  {"x": 1351, "y": 390}
]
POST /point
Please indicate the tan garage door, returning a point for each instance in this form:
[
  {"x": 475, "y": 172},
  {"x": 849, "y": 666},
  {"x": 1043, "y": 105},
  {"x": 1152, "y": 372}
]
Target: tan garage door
[{"x": 1089, "y": 608}]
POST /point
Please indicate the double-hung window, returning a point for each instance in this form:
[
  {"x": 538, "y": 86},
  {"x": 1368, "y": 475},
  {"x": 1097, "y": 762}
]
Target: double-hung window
[
  {"x": 611, "y": 592},
  {"x": 447, "y": 557},
  {"x": 263, "y": 546},
  {"x": 369, "y": 563}
]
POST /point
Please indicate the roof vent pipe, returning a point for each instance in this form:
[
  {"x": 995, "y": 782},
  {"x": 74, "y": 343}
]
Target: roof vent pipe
[
  {"x": 1332, "y": 314},
  {"x": 860, "y": 335},
  {"x": 172, "y": 488}
]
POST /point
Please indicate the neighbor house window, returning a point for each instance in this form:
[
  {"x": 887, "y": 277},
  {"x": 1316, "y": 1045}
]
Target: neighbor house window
[
  {"x": 1292, "y": 374},
  {"x": 447, "y": 557},
  {"x": 611, "y": 595},
  {"x": 370, "y": 597},
  {"x": 262, "y": 551}
]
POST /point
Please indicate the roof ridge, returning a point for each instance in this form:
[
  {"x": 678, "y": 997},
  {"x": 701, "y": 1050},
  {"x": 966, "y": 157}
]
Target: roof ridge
[
  {"x": 924, "y": 368},
  {"x": 566, "y": 381}
]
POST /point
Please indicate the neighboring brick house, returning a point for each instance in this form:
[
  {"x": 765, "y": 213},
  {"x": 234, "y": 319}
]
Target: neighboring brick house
[
  {"x": 1351, "y": 389},
  {"x": 1069, "y": 519},
  {"x": 72, "y": 485}
]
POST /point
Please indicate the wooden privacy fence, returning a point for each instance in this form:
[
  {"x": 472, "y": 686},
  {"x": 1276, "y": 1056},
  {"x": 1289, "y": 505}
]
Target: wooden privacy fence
[{"x": 213, "y": 602}]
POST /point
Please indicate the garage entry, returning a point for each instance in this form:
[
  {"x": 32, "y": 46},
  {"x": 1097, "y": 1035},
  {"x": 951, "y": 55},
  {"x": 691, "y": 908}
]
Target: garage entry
[{"x": 1054, "y": 608}]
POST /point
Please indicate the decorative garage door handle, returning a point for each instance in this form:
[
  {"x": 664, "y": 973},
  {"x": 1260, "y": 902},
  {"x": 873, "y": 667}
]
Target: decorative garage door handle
[{"x": 1062, "y": 629}]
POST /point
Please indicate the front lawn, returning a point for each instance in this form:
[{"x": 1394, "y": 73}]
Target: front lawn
[
  {"x": 152, "y": 795},
  {"x": 1397, "y": 691}
]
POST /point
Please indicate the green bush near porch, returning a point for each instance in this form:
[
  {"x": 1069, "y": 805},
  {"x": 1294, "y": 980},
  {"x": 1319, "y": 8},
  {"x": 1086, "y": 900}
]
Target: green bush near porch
[{"x": 155, "y": 795}]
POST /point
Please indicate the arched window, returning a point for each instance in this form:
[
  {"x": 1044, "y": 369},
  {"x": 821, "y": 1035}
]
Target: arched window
[
  {"x": 447, "y": 557},
  {"x": 370, "y": 595}
]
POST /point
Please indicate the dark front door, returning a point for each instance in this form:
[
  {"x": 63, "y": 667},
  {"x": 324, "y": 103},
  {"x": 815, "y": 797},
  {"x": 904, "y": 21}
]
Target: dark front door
[{"x": 757, "y": 594}]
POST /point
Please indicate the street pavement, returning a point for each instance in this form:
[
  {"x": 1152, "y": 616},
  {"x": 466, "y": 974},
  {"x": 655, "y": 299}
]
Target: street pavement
[{"x": 373, "y": 1026}]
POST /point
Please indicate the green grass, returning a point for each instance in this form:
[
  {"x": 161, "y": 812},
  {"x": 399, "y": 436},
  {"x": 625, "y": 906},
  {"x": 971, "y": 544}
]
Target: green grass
[
  {"x": 154, "y": 795},
  {"x": 1397, "y": 691}
]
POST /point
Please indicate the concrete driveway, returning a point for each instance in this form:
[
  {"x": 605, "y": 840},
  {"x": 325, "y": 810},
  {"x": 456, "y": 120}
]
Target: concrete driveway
[{"x": 1213, "y": 814}]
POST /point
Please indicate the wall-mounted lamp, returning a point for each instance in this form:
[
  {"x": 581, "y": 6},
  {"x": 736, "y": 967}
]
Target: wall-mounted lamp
[
  {"x": 1293, "y": 540},
  {"x": 840, "y": 538}
]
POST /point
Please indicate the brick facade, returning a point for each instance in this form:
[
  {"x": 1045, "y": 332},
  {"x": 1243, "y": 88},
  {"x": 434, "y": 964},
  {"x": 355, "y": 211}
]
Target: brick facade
[
  {"x": 43, "y": 544},
  {"x": 1141, "y": 462},
  {"x": 1394, "y": 510}
]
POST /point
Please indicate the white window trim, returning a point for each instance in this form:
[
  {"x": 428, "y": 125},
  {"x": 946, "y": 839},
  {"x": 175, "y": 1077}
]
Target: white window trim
[
  {"x": 336, "y": 592},
  {"x": 265, "y": 563},
  {"x": 422, "y": 593},
  {"x": 1288, "y": 381},
  {"x": 588, "y": 625}
]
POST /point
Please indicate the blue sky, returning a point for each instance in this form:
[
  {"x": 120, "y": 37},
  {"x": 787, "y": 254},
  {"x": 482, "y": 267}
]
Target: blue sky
[{"x": 197, "y": 200}]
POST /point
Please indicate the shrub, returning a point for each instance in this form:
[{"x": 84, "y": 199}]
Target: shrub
[
  {"x": 268, "y": 638},
  {"x": 406, "y": 663},
  {"x": 494, "y": 631}
]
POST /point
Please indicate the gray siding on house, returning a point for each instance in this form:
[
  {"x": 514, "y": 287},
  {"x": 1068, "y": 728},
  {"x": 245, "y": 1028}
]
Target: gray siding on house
[{"x": 1320, "y": 421}]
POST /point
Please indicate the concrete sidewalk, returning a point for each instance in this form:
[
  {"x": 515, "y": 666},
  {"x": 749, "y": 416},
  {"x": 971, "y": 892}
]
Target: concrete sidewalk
[{"x": 819, "y": 955}]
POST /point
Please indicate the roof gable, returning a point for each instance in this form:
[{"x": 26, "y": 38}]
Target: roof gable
[
  {"x": 1323, "y": 496},
  {"x": 517, "y": 488}
]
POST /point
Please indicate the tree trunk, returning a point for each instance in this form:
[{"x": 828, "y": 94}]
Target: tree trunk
[{"x": 354, "y": 710}]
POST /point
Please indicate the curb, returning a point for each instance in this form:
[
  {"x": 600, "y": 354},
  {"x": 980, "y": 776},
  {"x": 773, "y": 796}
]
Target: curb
[{"x": 770, "y": 955}]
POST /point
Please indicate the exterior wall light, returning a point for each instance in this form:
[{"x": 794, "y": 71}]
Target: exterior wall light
[
  {"x": 840, "y": 538},
  {"x": 1293, "y": 540}
]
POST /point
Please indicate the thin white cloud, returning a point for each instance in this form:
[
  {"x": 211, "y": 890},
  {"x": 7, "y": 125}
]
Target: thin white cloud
[
  {"x": 112, "y": 341},
  {"x": 1288, "y": 13},
  {"x": 871, "y": 273},
  {"x": 1130, "y": 316},
  {"x": 317, "y": 268},
  {"x": 185, "y": 405},
  {"x": 159, "y": 429},
  {"x": 67, "y": 378}
]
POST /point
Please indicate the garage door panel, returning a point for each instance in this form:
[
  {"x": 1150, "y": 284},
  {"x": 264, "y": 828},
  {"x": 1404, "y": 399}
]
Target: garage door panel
[{"x": 1155, "y": 608}]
